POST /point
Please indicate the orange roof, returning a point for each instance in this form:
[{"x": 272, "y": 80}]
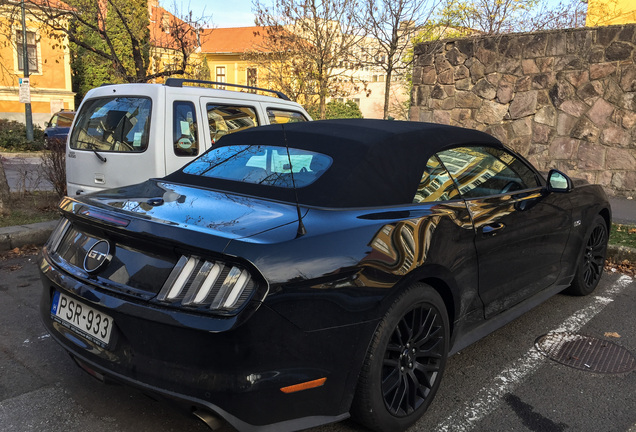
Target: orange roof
[
  {"x": 161, "y": 22},
  {"x": 53, "y": 4},
  {"x": 233, "y": 40}
]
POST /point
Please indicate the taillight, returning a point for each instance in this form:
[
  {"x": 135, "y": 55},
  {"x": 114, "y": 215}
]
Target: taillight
[
  {"x": 57, "y": 235},
  {"x": 215, "y": 285}
]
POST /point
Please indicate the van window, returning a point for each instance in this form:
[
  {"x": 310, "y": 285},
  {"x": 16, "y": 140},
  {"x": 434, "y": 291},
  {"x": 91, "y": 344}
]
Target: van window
[
  {"x": 226, "y": 119},
  {"x": 113, "y": 124},
  {"x": 184, "y": 129},
  {"x": 276, "y": 116}
]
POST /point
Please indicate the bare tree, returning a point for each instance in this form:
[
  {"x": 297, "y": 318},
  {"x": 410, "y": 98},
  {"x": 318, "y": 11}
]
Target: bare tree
[
  {"x": 119, "y": 32},
  {"x": 282, "y": 70},
  {"x": 318, "y": 33},
  {"x": 391, "y": 26},
  {"x": 486, "y": 16},
  {"x": 565, "y": 14}
]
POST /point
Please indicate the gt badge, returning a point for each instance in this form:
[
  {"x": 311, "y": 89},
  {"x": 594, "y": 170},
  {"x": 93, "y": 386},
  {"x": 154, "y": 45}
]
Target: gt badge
[{"x": 97, "y": 257}]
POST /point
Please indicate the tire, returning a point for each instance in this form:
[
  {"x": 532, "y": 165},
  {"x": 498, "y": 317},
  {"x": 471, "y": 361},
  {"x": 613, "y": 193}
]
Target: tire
[
  {"x": 405, "y": 362},
  {"x": 591, "y": 259}
]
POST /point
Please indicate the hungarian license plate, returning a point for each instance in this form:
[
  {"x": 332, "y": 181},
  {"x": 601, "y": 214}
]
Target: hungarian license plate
[{"x": 81, "y": 318}]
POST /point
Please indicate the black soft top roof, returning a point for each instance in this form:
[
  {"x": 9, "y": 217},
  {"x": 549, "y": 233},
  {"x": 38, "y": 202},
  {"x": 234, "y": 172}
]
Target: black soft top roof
[{"x": 375, "y": 162}]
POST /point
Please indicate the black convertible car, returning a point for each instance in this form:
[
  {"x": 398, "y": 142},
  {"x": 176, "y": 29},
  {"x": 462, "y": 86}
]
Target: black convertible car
[{"x": 298, "y": 274}]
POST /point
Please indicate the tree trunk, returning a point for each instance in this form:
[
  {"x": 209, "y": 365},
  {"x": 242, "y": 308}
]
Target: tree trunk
[
  {"x": 322, "y": 100},
  {"x": 4, "y": 191},
  {"x": 387, "y": 93}
]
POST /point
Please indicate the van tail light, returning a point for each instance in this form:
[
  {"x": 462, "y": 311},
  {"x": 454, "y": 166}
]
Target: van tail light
[{"x": 214, "y": 285}]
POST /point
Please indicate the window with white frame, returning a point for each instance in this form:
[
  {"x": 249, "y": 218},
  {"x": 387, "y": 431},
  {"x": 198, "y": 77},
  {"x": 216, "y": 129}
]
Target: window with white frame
[
  {"x": 220, "y": 75},
  {"x": 252, "y": 78},
  {"x": 32, "y": 50}
]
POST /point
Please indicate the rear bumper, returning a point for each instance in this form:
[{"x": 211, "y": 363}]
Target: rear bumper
[{"x": 237, "y": 373}]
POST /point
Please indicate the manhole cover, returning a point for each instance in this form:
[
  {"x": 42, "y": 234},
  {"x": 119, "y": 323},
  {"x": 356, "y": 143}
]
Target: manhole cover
[{"x": 586, "y": 353}]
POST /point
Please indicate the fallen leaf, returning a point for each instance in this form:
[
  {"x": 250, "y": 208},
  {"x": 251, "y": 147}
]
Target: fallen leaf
[{"x": 612, "y": 334}]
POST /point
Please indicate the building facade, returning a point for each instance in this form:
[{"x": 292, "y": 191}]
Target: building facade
[
  {"x": 48, "y": 63},
  {"x": 610, "y": 12}
]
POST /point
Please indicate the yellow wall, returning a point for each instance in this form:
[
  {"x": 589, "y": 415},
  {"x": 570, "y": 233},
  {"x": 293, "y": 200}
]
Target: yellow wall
[
  {"x": 609, "y": 12},
  {"x": 235, "y": 68},
  {"x": 50, "y": 84}
]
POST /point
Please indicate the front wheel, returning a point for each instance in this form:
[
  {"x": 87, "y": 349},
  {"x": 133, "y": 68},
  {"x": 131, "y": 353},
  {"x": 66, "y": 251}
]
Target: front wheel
[
  {"x": 592, "y": 260},
  {"x": 405, "y": 362}
]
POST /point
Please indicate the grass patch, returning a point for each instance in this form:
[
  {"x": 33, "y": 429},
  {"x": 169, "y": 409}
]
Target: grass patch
[
  {"x": 31, "y": 207},
  {"x": 623, "y": 235}
]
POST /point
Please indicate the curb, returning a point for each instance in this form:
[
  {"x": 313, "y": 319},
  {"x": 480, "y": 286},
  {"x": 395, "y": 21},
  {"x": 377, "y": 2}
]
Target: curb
[
  {"x": 9, "y": 155},
  {"x": 621, "y": 253},
  {"x": 21, "y": 235}
]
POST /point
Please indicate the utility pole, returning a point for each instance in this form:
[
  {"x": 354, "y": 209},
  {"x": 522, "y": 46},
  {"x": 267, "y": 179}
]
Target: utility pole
[{"x": 25, "y": 63}]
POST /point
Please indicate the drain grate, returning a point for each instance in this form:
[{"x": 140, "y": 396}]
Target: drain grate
[{"x": 586, "y": 353}]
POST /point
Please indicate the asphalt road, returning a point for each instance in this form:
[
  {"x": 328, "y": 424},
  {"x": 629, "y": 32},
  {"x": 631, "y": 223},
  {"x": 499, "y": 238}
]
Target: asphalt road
[
  {"x": 500, "y": 383},
  {"x": 25, "y": 174}
]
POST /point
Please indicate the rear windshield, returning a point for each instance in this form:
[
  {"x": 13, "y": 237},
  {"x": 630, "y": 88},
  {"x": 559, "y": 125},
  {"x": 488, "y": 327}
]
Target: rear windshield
[
  {"x": 261, "y": 164},
  {"x": 113, "y": 124},
  {"x": 65, "y": 119}
]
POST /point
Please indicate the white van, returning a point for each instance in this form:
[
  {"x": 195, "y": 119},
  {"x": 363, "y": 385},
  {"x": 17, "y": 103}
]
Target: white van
[{"x": 127, "y": 133}]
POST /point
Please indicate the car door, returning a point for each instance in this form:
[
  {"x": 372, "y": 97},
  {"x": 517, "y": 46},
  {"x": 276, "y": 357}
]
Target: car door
[{"x": 520, "y": 232}]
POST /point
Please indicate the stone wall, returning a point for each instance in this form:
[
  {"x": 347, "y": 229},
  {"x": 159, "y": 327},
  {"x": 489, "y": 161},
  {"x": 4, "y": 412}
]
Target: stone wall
[{"x": 564, "y": 99}]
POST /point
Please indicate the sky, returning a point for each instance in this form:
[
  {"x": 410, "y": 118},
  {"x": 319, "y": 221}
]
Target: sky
[
  {"x": 219, "y": 13},
  {"x": 239, "y": 14}
]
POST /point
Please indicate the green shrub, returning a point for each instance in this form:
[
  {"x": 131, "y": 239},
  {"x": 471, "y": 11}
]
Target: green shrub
[
  {"x": 336, "y": 110},
  {"x": 13, "y": 137}
]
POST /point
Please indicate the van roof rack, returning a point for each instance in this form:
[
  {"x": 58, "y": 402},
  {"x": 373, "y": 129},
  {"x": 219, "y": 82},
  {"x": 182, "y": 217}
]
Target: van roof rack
[{"x": 178, "y": 82}]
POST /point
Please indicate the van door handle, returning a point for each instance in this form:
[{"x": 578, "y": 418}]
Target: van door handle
[{"x": 491, "y": 229}]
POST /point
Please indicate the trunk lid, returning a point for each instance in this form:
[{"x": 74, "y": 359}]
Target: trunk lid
[{"x": 218, "y": 213}]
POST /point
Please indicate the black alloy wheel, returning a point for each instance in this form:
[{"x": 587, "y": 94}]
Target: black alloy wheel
[
  {"x": 592, "y": 260},
  {"x": 405, "y": 362}
]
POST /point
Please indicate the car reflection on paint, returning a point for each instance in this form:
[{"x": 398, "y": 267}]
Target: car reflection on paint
[{"x": 295, "y": 275}]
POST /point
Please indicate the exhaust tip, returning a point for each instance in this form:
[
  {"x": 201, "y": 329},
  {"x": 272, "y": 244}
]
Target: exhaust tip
[{"x": 211, "y": 420}]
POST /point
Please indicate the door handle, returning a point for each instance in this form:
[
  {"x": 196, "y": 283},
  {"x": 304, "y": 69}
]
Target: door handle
[{"x": 491, "y": 229}]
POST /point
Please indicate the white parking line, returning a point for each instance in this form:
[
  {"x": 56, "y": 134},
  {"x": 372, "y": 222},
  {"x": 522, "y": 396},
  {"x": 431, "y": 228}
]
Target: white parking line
[{"x": 487, "y": 399}]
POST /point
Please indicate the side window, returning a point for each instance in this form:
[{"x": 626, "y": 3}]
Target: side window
[
  {"x": 184, "y": 129},
  {"x": 53, "y": 121},
  {"x": 226, "y": 119},
  {"x": 277, "y": 116},
  {"x": 436, "y": 184},
  {"x": 483, "y": 171}
]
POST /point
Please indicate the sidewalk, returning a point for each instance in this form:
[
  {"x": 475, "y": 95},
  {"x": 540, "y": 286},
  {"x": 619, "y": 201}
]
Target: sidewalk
[{"x": 623, "y": 211}]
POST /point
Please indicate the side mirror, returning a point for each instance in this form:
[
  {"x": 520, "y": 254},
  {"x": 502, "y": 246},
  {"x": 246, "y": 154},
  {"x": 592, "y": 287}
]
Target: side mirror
[{"x": 559, "y": 182}]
